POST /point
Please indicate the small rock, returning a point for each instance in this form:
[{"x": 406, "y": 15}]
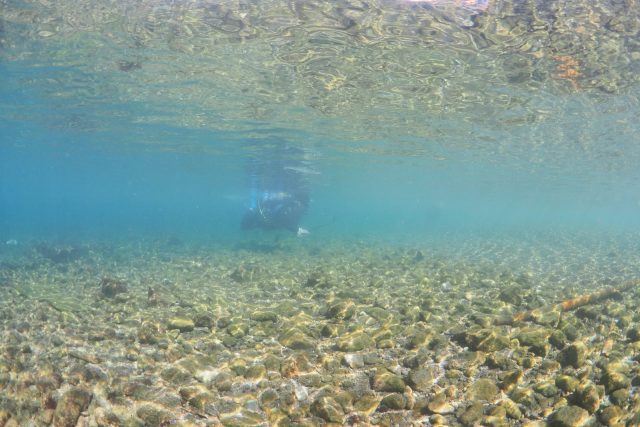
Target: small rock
[
  {"x": 569, "y": 416},
  {"x": 328, "y": 409},
  {"x": 611, "y": 415},
  {"x": 421, "y": 379},
  {"x": 587, "y": 397},
  {"x": 389, "y": 382},
  {"x": 614, "y": 380},
  {"x": 472, "y": 414},
  {"x": 354, "y": 361},
  {"x": 342, "y": 310},
  {"x": 574, "y": 355},
  {"x": 440, "y": 407},
  {"x": 536, "y": 339},
  {"x": 633, "y": 334},
  {"x": 483, "y": 389},
  {"x": 567, "y": 383},
  {"x": 393, "y": 401},
  {"x": 355, "y": 341},
  {"x": 73, "y": 402},
  {"x": 181, "y": 323},
  {"x": 153, "y": 415},
  {"x": 204, "y": 320},
  {"x": 111, "y": 287},
  {"x": 263, "y": 316},
  {"x": 295, "y": 339}
]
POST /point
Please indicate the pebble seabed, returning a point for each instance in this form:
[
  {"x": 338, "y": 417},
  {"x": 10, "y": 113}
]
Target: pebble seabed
[{"x": 163, "y": 334}]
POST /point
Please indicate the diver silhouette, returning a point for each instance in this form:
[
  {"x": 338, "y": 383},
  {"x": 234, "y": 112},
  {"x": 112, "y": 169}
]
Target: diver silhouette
[{"x": 279, "y": 195}]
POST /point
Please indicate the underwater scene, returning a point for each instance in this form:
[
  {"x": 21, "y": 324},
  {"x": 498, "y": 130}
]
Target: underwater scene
[{"x": 319, "y": 213}]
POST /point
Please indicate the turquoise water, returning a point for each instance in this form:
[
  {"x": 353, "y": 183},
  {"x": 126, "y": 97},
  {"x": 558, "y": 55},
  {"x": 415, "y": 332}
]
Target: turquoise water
[
  {"x": 310, "y": 213},
  {"x": 415, "y": 119}
]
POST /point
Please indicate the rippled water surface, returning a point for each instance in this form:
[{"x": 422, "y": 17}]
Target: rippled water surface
[{"x": 533, "y": 101}]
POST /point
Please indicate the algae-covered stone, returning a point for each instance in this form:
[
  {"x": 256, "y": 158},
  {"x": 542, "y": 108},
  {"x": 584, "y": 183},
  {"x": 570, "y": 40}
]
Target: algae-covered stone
[
  {"x": 511, "y": 409},
  {"x": 330, "y": 330},
  {"x": 328, "y": 409},
  {"x": 237, "y": 329},
  {"x": 611, "y": 416},
  {"x": 567, "y": 383},
  {"x": 387, "y": 381},
  {"x": 633, "y": 334},
  {"x": 176, "y": 375},
  {"x": 569, "y": 416},
  {"x": 483, "y": 389},
  {"x": 153, "y": 415},
  {"x": 295, "y": 339},
  {"x": 148, "y": 333},
  {"x": 181, "y": 323},
  {"x": 264, "y": 316},
  {"x": 245, "y": 418},
  {"x": 546, "y": 388},
  {"x": 342, "y": 310},
  {"x": 355, "y": 341},
  {"x": 104, "y": 418},
  {"x": 620, "y": 396},
  {"x": 255, "y": 372},
  {"x": 574, "y": 355},
  {"x": 73, "y": 402},
  {"x": 536, "y": 339},
  {"x": 487, "y": 340},
  {"x": 204, "y": 320},
  {"x": 511, "y": 295},
  {"x": 587, "y": 397},
  {"x": 471, "y": 415},
  {"x": 366, "y": 404},
  {"x": 393, "y": 401},
  {"x": 511, "y": 379},
  {"x": 614, "y": 380},
  {"x": 421, "y": 379},
  {"x": 440, "y": 407}
]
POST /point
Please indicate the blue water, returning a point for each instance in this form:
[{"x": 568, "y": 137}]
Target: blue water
[{"x": 78, "y": 160}]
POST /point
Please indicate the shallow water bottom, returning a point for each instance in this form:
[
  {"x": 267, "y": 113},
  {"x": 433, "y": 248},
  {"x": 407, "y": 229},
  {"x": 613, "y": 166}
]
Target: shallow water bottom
[{"x": 478, "y": 332}]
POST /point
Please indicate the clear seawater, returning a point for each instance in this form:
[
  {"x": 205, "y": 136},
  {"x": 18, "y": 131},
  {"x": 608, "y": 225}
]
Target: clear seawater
[
  {"x": 469, "y": 165},
  {"x": 131, "y": 119}
]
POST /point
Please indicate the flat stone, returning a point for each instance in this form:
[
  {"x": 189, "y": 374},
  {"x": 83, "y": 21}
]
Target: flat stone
[
  {"x": 355, "y": 341},
  {"x": 328, "y": 409},
  {"x": 352, "y": 360},
  {"x": 389, "y": 382},
  {"x": 569, "y": 416},
  {"x": 483, "y": 389},
  {"x": 181, "y": 323},
  {"x": 440, "y": 407},
  {"x": 153, "y": 415}
]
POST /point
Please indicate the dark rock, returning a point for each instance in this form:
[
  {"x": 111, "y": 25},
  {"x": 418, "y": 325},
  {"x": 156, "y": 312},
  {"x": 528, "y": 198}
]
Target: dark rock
[
  {"x": 111, "y": 287},
  {"x": 574, "y": 355},
  {"x": 73, "y": 402},
  {"x": 586, "y": 396},
  {"x": 633, "y": 334},
  {"x": 536, "y": 339},
  {"x": 393, "y": 401},
  {"x": 204, "y": 320},
  {"x": 472, "y": 415},
  {"x": 387, "y": 381},
  {"x": 568, "y": 416},
  {"x": 328, "y": 409},
  {"x": 154, "y": 415},
  {"x": 511, "y": 295}
]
